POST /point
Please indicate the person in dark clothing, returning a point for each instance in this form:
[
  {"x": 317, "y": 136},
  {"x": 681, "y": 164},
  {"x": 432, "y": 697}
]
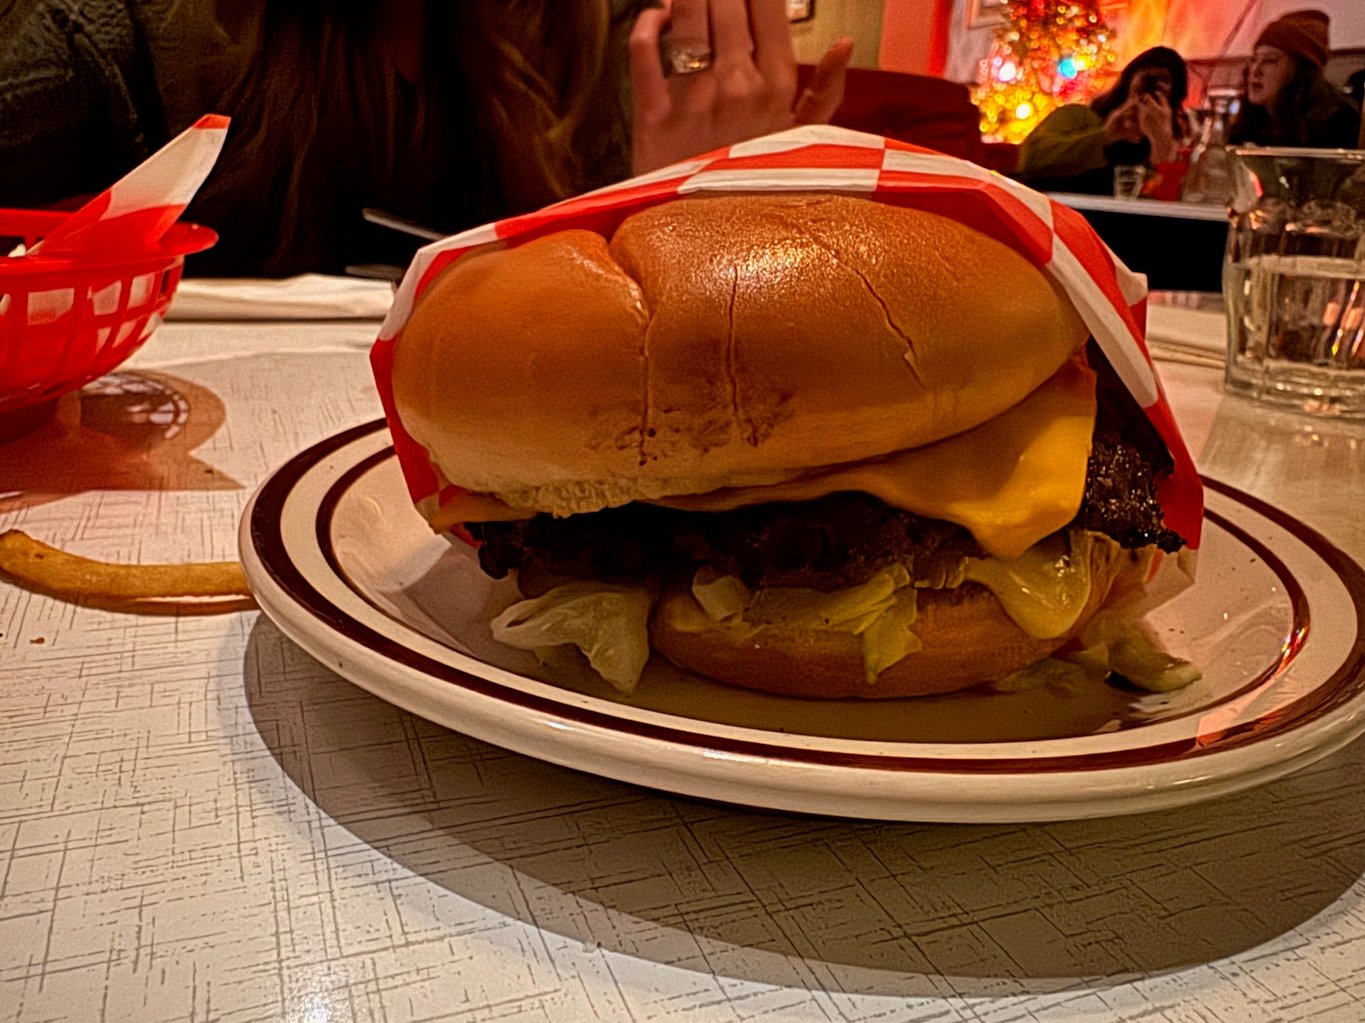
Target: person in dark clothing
[
  {"x": 450, "y": 114},
  {"x": 1140, "y": 120},
  {"x": 1355, "y": 87},
  {"x": 89, "y": 89},
  {"x": 1288, "y": 102}
]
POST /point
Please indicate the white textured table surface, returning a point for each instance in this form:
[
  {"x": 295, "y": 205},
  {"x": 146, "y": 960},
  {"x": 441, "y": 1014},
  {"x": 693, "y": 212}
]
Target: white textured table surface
[{"x": 198, "y": 822}]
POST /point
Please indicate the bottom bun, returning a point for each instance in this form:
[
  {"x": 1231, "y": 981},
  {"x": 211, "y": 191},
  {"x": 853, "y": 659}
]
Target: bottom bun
[{"x": 968, "y": 639}]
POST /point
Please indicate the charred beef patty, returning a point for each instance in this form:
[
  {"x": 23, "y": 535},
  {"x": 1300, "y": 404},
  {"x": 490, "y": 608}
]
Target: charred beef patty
[{"x": 835, "y": 541}]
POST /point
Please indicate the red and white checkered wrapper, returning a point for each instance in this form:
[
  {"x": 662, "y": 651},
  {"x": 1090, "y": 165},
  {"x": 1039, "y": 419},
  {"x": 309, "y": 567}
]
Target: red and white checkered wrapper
[
  {"x": 1110, "y": 298},
  {"x": 132, "y": 214}
]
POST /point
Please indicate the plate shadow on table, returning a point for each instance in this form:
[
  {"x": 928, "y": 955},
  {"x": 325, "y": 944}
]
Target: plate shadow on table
[
  {"x": 876, "y": 908},
  {"x": 129, "y": 430}
]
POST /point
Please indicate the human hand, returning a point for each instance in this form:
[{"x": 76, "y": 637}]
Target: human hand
[
  {"x": 823, "y": 96},
  {"x": 1154, "y": 120},
  {"x": 1122, "y": 124},
  {"x": 747, "y": 90}
]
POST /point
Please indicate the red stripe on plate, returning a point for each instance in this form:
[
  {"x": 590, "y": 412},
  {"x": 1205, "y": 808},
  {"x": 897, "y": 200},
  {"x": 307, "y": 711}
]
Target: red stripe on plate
[{"x": 1345, "y": 683}]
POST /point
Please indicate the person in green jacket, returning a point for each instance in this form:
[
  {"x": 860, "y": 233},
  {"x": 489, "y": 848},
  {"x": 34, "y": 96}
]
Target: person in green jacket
[{"x": 1140, "y": 120}]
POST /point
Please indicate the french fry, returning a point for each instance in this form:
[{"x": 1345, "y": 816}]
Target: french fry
[{"x": 38, "y": 566}]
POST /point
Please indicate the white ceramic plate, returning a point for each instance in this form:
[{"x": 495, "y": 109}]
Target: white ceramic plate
[{"x": 346, "y": 568}]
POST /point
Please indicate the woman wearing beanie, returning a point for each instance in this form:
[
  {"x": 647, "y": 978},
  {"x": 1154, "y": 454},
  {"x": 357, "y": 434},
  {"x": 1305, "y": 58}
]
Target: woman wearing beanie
[{"x": 1288, "y": 102}]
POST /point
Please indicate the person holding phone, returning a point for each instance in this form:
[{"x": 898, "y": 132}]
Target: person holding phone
[{"x": 1140, "y": 121}]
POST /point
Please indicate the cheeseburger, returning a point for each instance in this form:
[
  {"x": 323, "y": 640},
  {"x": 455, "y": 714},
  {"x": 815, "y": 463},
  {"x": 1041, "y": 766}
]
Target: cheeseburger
[{"x": 811, "y": 444}]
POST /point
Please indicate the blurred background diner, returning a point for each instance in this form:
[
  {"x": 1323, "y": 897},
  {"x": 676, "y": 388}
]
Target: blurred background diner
[
  {"x": 1288, "y": 102},
  {"x": 451, "y": 115},
  {"x": 1140, "y": 121}
]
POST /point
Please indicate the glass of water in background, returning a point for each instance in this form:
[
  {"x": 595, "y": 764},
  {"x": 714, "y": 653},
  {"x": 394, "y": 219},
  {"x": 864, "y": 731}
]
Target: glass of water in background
[
  {"x": 1294, "y": 279},
  {"x": 1128, "y": 180}
]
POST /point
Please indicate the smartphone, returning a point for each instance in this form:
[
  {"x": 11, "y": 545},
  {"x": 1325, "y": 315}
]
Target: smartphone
[{"x": 1152, "y": 83}]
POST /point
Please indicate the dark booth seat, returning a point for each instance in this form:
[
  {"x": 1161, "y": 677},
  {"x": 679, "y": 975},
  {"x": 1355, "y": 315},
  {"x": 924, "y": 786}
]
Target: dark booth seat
[{"x": 1179, "y": 246}]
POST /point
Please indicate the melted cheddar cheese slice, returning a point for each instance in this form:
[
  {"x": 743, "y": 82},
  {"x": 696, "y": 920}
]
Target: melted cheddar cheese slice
[{"x": 1010, "y": 481}]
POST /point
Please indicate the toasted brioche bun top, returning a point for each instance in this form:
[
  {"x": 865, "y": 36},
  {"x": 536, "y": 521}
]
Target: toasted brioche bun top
[{"x": 719, "y": 341}]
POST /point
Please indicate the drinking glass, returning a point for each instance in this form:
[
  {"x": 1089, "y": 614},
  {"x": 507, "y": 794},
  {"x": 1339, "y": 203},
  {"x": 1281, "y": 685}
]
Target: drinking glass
[
  {"x": 1128, "y": 180},
  {"x": 1294, "y": 279}
]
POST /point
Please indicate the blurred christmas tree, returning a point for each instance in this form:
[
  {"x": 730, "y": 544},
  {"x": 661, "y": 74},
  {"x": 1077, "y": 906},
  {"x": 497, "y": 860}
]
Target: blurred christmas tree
[{"x": 1046, "y": 53}]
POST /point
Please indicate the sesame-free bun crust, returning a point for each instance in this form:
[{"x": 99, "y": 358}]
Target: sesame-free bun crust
[
  {"x": 968, "y": 639},
  {"x": 719, "y": 341}
]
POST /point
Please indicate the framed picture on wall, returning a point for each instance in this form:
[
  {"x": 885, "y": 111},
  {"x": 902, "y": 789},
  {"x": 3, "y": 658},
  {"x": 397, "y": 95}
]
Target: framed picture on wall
[
  {"x": 800, "y": 10},
  {"x": 984, "y": 13}
]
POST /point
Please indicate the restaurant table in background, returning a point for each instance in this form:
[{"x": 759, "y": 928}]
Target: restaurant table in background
[
  {"x": 1178, "y": 245},
  {"x": 200, "y": 822}
]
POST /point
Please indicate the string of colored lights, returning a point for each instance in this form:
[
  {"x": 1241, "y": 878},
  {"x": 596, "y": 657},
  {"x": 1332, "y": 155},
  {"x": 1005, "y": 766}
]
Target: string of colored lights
[{"x": 1046, "y": 53}]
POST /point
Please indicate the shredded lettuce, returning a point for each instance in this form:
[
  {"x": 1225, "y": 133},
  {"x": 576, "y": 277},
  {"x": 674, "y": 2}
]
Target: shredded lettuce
[
  {"x": 1062, "y": 676},
  {"x": 880, "y": 612},
  {"x": 610, "y": 624},
  {"x": 890, "y": 636},
  {"x": 1129, "y": 649},
  {"x": 720, "y": 596}
]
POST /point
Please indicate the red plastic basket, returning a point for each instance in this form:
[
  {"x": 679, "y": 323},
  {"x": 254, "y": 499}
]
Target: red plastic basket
[{"x": 64, "y": 321}]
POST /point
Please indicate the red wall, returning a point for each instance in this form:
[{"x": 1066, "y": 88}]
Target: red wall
[{"x": 915, "y": 35}]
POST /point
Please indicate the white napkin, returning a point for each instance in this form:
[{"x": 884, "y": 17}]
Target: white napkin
[
  {"x": 1202, "y": 329},
  {"x": 1191, "y": 335},
  {"x": 306, "y": 297}
]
